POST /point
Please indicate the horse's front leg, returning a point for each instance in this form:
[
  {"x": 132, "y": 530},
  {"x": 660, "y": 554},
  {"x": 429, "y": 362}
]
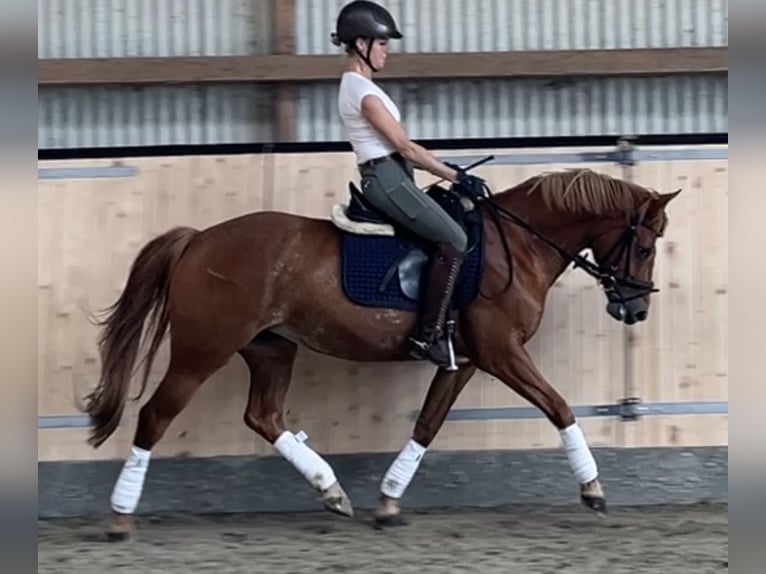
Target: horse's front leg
[
  {"x": 442, "y": 393},
  {"x": 512, "y": 364}
]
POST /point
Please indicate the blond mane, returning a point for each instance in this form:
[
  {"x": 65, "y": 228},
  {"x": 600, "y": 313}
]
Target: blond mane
[{"x": 583, "y": 190}]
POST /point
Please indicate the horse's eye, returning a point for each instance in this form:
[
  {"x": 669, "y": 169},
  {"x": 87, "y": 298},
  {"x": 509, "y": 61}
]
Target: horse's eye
[{"x": 643, "y": 252}]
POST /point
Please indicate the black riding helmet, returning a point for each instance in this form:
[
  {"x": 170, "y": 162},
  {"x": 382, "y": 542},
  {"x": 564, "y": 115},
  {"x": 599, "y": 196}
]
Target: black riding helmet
[{"x": 364, "y": 19}]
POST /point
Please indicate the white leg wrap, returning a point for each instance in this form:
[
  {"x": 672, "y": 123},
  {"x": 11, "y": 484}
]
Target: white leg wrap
[
  {"x": 130, "y": 484},
  {"x": 578, "y": 452},
  {"x": 312, "y": 466},
  {"x": 400, "y": 473}
]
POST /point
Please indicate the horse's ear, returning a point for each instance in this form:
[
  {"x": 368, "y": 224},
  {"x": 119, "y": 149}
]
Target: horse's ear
[{"x": 659, "y": 203}]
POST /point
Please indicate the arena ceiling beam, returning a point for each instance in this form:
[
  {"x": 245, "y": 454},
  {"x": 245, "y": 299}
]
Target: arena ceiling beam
[{"x": 286, "y": 68}]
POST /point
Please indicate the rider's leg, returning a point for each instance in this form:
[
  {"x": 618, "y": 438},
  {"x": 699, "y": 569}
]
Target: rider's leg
[
  {"x": 440, "y": 283},
  {"x": 388, "y": 185}
]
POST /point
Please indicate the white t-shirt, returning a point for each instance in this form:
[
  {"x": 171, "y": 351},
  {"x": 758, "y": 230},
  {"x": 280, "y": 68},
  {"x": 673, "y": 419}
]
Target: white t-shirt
[{"x": 365, "y": 140}]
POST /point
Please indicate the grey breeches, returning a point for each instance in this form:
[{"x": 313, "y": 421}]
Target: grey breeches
[{"x": 389, "y": 186}]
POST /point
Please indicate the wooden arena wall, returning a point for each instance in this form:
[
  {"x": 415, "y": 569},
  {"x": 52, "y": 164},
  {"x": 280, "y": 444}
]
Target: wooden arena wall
[{"x": 91, "y": 227}]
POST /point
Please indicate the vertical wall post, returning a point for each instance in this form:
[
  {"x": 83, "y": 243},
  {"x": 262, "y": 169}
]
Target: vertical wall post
[
  {"x": 631, "y": 401},
  {"x": 283, "y": 43}
]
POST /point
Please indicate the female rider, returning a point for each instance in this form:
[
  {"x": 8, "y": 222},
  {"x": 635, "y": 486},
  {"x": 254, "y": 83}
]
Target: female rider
[{"x": 385, "y": 156}]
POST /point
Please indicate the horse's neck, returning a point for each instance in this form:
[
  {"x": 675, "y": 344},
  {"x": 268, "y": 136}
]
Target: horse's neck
[{"x": 572, "y": 233}]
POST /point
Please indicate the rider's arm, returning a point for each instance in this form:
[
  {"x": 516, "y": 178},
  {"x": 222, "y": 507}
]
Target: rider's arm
[{"x": 376, "y": 113}]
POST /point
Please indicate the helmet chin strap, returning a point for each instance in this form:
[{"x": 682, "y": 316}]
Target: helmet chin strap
[{"x": 366, "y": 57}]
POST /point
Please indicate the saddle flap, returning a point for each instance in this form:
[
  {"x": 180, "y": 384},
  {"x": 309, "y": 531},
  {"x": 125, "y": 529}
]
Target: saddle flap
[{"x": 410, "y": 271}]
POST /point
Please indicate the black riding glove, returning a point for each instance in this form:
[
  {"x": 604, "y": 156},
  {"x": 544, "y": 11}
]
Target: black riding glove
[{"x": 471, "y": 185}]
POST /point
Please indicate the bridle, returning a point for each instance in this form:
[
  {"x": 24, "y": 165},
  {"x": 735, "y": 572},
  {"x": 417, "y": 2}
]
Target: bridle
[
  {"x": 618, "y": 288},
  {"x": 606, "y": 273}
]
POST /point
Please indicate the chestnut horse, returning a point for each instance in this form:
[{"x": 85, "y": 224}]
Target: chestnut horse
[{"x": 261, "y": 284}]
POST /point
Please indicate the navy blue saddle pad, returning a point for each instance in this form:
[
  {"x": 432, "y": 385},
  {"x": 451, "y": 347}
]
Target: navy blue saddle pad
[{"x": 369, "y": 261}]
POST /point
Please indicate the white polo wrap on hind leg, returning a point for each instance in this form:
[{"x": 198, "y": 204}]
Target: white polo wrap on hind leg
[
  {"x": 578, "y": 453},
  {"x": 400, "y": 473},
  {"x": 312, "y": 466},
  {"x": 130, "y": 484}
]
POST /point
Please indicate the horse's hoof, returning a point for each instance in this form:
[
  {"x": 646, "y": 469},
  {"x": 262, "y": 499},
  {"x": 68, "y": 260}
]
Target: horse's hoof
[
  {"x": 341, "y": 506},
  {"x": 388, "y": 513},
  {"x": 121, "y": 528},
  {"x": 596, "y": 503},
  {"x": 389, "y": 521},
  {"x": 337, "y": 502},
  {"x": 117, "y": 536}
]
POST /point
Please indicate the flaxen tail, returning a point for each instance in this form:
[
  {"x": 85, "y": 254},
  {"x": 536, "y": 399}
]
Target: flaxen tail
[{"x": 145, "y": 297}]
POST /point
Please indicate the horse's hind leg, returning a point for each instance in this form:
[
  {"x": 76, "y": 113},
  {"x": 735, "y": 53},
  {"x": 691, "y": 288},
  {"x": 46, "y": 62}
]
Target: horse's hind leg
[
  {"x": 270, "y": 359},
  {"x": 186, "y": 373}
]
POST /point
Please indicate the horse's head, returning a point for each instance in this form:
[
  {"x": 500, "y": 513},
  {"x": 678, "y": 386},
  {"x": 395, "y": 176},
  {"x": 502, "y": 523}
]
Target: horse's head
[
  {"x": 625, "y": 252},
  {"x": 618, "y": 220}
]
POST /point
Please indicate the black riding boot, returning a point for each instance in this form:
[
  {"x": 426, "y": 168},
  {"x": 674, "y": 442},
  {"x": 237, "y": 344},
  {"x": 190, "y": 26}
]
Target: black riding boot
[{"x": 435, "y": 300}]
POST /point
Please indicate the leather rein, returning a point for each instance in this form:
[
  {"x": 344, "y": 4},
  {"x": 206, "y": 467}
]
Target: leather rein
[{"x": 605, "y": 274}]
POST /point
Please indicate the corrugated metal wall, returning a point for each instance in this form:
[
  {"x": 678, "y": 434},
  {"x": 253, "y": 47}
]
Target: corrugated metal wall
[
  {"x": 124, "y": 28},
  {"x": 157, "y": 115},
  {"x": 161, "y": 115},
  {"x": 530, "y": 108},
  {"x": 502, "y": 25},
  {"x": 114, "y": 28},
  {"x": 493, "y": 108}
]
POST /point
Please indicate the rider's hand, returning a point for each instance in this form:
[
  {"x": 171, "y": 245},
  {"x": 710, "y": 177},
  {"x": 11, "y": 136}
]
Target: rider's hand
[{"x": 471, "y": 184}]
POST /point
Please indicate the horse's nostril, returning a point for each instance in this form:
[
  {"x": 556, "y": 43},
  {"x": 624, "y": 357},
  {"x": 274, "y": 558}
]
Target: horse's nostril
[{"x": 642, "y": 315}]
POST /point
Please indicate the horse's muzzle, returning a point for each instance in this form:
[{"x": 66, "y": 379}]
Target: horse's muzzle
[{"x": 628, "y": 312}]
